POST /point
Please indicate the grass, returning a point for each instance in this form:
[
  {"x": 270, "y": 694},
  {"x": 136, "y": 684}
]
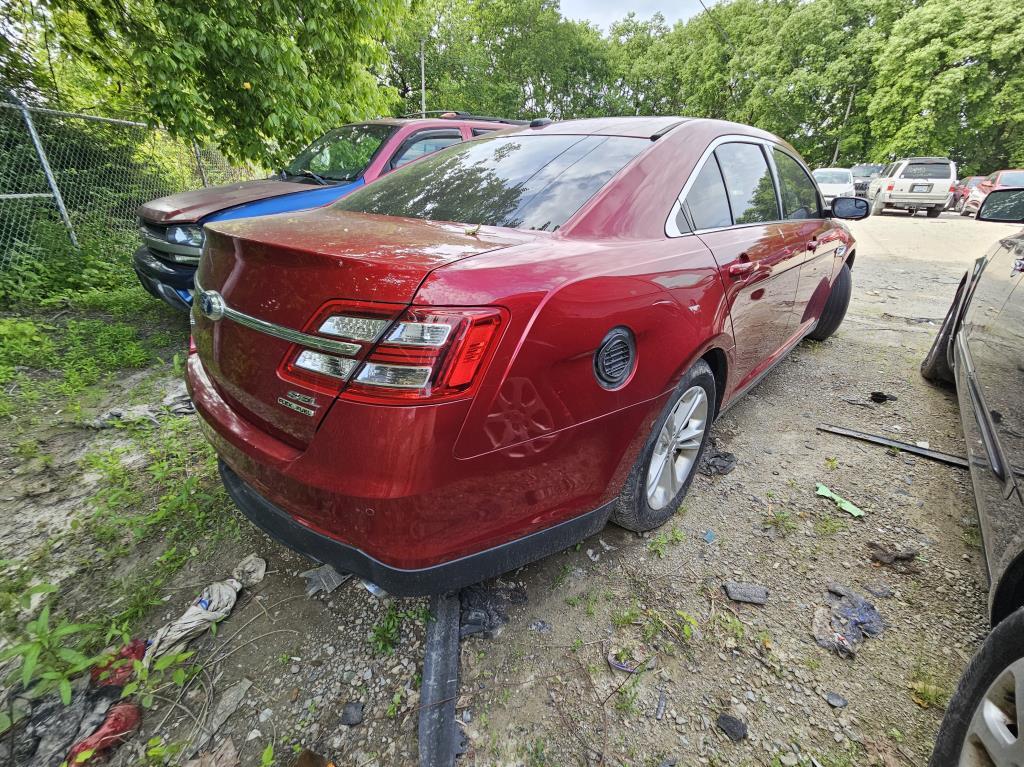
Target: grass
[{"x": 385, "y": 634}]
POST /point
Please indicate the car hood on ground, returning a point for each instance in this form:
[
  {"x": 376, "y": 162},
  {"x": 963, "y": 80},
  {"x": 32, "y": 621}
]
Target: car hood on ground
[{"x": 189, "y": 207}]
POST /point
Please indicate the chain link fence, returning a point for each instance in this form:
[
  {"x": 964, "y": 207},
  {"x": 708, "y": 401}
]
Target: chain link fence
[{"x": 78, "y": 179}]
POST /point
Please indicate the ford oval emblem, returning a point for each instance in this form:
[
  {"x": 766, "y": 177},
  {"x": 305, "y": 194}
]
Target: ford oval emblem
[{"x": 211, "y": 304}]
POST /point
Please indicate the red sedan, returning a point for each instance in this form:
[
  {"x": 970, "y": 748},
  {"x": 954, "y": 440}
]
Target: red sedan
[
  {"x": 1001, "y": 179},
  {"x": 483, "y": 357}
]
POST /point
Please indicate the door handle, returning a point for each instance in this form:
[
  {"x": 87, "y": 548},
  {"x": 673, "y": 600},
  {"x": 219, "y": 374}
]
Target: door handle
[{"x": 741, "y": 268}]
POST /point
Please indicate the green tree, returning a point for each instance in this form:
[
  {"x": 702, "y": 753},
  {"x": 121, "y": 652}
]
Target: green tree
[
  {"x": 951, "y": 81},
  {"x": 259, "y": 79}
]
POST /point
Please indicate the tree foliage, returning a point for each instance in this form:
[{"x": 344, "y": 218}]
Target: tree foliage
[{"x": 258, "y": 78}]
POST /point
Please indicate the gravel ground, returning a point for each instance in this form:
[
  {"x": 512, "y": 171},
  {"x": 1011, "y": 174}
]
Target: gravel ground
[{"x": 543, "y": 692}]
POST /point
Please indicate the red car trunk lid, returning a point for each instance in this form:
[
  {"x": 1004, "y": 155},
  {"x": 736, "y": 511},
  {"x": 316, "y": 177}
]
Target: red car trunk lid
[{"x": 282, "y": 269}]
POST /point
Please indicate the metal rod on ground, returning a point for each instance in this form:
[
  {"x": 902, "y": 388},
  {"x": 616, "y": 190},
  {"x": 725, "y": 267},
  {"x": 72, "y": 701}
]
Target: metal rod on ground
[
  {"x": 906, "y": 447},
  {"x": 438, "y": 734},
  {"x": 45, "y": 164}
]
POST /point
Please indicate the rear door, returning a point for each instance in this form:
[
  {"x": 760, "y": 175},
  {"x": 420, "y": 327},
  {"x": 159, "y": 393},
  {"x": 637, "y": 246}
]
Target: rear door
[
  {"x": 989, "y": 352},
  {"x": 759, "y": 269}
]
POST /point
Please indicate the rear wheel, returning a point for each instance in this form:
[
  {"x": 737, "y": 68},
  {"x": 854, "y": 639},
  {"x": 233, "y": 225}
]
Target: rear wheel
[
  {"x": 935, "y": 367},
  {"x": 934, "y": 211},
  {"x": 662, "y": 474},
  {"x": 982, "y": 725},
  {"x": 835, "y": 306}
]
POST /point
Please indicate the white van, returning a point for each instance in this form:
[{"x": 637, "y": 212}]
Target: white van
[{"x": 913, "y": 184}]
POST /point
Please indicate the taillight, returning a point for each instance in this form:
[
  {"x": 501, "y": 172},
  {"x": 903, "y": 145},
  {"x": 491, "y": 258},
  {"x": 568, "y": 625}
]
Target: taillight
[
  {"x": 890, "y": 186},
  {"x": 370, "y": 353},
  {"x": 952, "y": 187},
  {"x": 429, "y": 354}
]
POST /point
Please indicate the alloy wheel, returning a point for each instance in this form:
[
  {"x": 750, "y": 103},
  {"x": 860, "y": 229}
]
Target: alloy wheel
[
  {"x": 994, "y": 737},
  {"x": 677, "y": 447}
]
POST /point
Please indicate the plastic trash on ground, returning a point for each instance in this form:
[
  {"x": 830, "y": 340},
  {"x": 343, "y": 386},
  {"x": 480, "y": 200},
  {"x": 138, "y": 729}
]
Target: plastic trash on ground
[{"x": 212, "y": 606}]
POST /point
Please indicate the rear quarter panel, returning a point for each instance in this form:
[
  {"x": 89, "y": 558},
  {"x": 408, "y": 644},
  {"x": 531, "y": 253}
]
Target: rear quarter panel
[{"x": 542, "y": 381}]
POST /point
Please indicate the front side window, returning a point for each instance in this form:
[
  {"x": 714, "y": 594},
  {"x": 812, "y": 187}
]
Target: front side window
[
  {"x": 926, "y": 170},
  {"x": 707, "y": 201},
  {"x": 341, "y": 154},
  {"x": 799, "y": 197},
  {"x": 748, "y": 182},
  {"x": 525, "y": 182},
  {"x": 424, "y": 146}
]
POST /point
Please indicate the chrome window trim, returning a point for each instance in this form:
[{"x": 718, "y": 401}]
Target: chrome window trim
[
  {"x": 672, "y": 231},
  {"x": 279, "y": 331}
]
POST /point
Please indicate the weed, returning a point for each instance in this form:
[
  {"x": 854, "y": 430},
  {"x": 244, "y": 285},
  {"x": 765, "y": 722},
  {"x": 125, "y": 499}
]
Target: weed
[
  {"x": 385, "y": 634},
  {"x": 536, "y": 753},
  {"x": 51, "y": 655},
  {"x": 626, "y": 617},
  {"x": 826, "y": 527},
  {"x": 972, "y": 537},
  {"x": 893, "y": 451},
  {"x": 396, "y": 703},
  {"x": 563, "y": 575},
  {"x": 658, "y": 545},
  {"x": 782, "y": 522},
  {"x": 926, "y": 687},
  {"x": 731, "y": 625},
  {"x": 831, "y": 463}
]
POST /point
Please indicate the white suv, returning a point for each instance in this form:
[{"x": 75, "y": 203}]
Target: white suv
[{"x": 913, "y": 184}]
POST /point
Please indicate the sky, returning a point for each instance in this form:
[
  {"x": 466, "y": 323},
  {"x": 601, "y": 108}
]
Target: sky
[{"x": 604, "y": 12}]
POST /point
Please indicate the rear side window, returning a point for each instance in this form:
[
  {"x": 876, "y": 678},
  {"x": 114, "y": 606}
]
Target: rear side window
[
  {"x": 483, "y": 131},
  {"x": 426, "y": 145},
  {"x": 799, "y": 197},
  {"x": 707, "y": 201},
  {"x": 927, "y": 170},
  {"x": 748, "y": 182},
  {"x": 525, "y": 182}
]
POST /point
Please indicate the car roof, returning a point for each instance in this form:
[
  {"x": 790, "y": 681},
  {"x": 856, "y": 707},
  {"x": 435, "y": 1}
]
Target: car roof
[
  {"x": 925, "y": 159},
  {"x": 817, "y": 169},
  {"x": 440, "y": 122},
  {"x": 639, "y": 127}
]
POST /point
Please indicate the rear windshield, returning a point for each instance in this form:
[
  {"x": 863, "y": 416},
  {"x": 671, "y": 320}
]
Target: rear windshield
[
  {"x": 926, "y": 170},
  {"x": 525, "y": 182},
  {"x": 866, "y": 171},
  {"x": 1012, "y": 178},
  {"x": 833, "y": 176}
]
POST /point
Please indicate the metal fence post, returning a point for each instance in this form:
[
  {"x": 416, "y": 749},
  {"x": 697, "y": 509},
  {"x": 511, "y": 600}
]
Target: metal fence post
[
  {"x": 45, "y": 164},
  {"x": 199, "y": 164}
]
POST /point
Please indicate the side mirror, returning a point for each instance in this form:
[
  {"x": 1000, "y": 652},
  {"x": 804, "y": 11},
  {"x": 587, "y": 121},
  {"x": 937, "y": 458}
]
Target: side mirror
[
  {"x": 1006, "y": 205},
  {"x": 851, "y": 208}
]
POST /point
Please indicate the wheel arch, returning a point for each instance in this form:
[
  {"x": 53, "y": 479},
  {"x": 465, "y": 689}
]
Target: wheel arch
[
  {"x": 1008, "y": 594},
  {"x": 851, "y": 258},
  {"x": 719, "y": 364}
]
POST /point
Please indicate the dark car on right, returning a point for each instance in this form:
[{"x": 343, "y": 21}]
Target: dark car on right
[{"x": 980, "y": 350}]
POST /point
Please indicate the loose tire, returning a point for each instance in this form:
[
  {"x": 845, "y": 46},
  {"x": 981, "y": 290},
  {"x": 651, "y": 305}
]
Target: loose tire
[
  {"x": 935, "y": 366},
  {"x": 676, "y": 444},
  {"x": 835, "y": 306},
  {"x": 935, "y": 211},
  {"x": 984, "y": 716}
]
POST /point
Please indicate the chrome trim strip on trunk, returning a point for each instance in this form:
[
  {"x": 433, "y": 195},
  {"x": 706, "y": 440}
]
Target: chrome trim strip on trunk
[{"x": 279, "y": 331}]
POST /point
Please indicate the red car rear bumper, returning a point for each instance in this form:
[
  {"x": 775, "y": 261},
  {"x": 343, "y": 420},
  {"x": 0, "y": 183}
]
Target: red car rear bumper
[{"x": 380, "y": 493}]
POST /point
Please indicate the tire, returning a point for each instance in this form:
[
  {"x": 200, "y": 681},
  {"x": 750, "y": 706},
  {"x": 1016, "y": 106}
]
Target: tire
[
  {"x": 877, "y": 206},
  {"x": 935, "y": 212},
  {"x": 1003, "y": 648},
  {"x": 935, "y": 366},
  {"x": 835, "y": 306},
  {"x": 959, "y": 207},
  {"x": 634, "y": 509}
]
